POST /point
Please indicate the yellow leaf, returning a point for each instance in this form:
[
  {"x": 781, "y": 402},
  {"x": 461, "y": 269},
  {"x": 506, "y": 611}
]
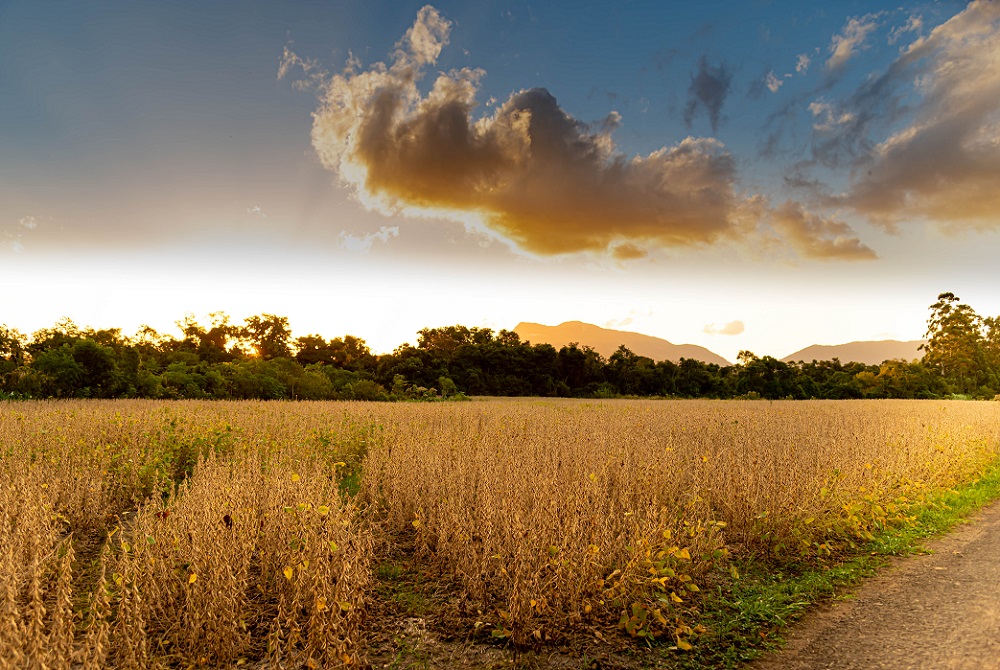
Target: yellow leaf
[
  {"x": 593, "y": 477},
  {"x": 323, "y": 510},
  {"x": 676, "y": 598},
  {"x": 192, "y": 578},
  {"x": 683, "y": 644},
  {"x": 287, "y": 572},
  {"x": 693, "y": 588},
  {"x": 416, "y": 523},
  {"x": 344, "y": 606},
  {"x": 321, "y": 604},
  {"x": 683, "y": 554},
  {"x": 312, "y": 663},
  {"x": 295, "y": 477},
  {"x": 340, "y": 464},
  {"x": 333, "y": 546},
  {"x": 666, "y": 534}
]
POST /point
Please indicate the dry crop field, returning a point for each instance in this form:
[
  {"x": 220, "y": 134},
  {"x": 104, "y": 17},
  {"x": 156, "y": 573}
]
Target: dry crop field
[{"x": 144, "y": 534}]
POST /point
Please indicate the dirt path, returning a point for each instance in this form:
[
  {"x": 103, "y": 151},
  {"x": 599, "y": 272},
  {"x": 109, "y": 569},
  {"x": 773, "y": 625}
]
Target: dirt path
[{"x": 934, "y": 611}]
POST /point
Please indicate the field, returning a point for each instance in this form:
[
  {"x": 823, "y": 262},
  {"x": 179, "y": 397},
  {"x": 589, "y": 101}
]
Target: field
[{"x": 144, "y": 534}]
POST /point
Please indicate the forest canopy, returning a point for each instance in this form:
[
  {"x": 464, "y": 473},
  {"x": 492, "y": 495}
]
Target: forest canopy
[{"x": 260, "y": 359}]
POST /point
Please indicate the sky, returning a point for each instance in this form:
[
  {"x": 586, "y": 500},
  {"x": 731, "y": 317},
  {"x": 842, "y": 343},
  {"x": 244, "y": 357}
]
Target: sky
[{"x": 760, "y": 175}]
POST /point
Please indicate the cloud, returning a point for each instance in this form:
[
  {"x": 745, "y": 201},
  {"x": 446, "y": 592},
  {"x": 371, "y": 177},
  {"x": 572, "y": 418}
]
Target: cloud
[
  {"x": 851, "y": 40},
  {"x": 256, "y": 209},
  {"x": 527, "y": 172},
  {"x": 772, "y": 82},
  {"x": 802, "y": 62},
  {"x": 362, "y": 244},
  {"x": 914, "y": 24},
  {"x": 708, "y": 91},
  {"x": 731, "y": 328},
  {"x": 13, "y": 238},
  {"x": 943, "y": 164},
  {"x": 827, "y": 118},
  {"x": 313, "y": 75},
  {"x": 818, "y": 237}
]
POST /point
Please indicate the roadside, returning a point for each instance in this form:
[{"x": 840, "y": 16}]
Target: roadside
[{"x": 938, "y": 610}]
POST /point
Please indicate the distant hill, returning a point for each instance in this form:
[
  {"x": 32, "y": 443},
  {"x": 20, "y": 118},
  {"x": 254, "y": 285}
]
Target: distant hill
[
  {"x": 869, "y": 353},
  {"x": 605, "y": 341}
]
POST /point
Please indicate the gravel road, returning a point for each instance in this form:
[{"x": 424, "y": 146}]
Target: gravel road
[{"x": 937, "y": 611}]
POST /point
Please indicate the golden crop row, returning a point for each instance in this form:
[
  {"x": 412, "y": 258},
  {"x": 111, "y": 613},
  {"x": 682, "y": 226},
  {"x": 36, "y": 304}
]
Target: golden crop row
[{"x": 141, "y": 534}]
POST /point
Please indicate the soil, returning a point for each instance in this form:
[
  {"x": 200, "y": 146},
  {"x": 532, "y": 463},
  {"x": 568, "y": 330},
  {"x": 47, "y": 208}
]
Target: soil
[{"x": 940, "y": 610}]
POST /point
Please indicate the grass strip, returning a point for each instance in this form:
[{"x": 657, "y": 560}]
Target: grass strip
[{"x": 747, "y": 617}]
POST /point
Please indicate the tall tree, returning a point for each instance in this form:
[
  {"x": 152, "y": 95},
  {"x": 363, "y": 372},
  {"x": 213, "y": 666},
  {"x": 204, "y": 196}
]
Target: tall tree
[{"x": 954, "y": 344}]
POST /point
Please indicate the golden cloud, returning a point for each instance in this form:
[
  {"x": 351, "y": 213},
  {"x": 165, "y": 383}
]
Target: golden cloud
[
  {"x": 818, "y": 237},
  {"x": 731, "y": 328},
  {"x": 529, "y": 172}
]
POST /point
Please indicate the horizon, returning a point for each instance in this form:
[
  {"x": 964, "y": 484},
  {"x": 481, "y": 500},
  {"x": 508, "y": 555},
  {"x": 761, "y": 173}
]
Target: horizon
[
  {"x": 205, "y": 321},
  {"x": 767, "y": 178}
]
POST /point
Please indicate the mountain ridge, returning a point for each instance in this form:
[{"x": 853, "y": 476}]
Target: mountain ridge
[
  {"x": 606, "y": 341},
  {"x": 869, "y": 352}
]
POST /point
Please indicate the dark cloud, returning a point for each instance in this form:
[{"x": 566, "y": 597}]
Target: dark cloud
[{"x": 708, "y": 91}]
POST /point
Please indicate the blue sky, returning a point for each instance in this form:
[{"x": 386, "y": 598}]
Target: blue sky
[{"x": 757, "y": 175}]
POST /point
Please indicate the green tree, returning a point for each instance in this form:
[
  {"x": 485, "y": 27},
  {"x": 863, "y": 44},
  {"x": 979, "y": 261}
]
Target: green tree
[
  {"x": 11, "y": 348},
  {"x": 954, "y": 343},
  {"x": 269, "y": 335}
]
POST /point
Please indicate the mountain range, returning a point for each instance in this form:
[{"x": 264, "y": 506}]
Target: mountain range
[
  {"x": 606, "y": 341},
  {"x": 869, "y": 353}
]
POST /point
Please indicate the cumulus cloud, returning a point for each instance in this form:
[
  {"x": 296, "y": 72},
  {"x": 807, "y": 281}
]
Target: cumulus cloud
[
  {"x": 731, "y": 328},
  {"x": 851, "y": 40},
  {"x": 527, "y": 172},
  {"x": 943, "y": 164},
  {"x": 257, "y": 210},
  {"x": 708, "y": 91},
  {"x": 362, "y": 244},
  {"x": 818, "y": 237}
]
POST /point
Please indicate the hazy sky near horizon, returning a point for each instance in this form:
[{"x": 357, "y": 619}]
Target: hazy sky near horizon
[{"x": 757, "y": 175}]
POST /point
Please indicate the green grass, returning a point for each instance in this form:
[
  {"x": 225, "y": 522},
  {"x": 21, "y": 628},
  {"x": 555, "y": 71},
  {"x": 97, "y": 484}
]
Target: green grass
[{"x": 747, "y": 616}]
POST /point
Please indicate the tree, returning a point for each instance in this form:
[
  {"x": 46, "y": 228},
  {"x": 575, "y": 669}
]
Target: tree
[
  {"x": 11, "y": 348},
  {"x": 269, "y": 335},
  {"x": 954, "y": 343}
]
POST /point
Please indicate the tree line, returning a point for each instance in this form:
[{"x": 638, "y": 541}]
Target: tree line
[{"x": 260, "y": 359}]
